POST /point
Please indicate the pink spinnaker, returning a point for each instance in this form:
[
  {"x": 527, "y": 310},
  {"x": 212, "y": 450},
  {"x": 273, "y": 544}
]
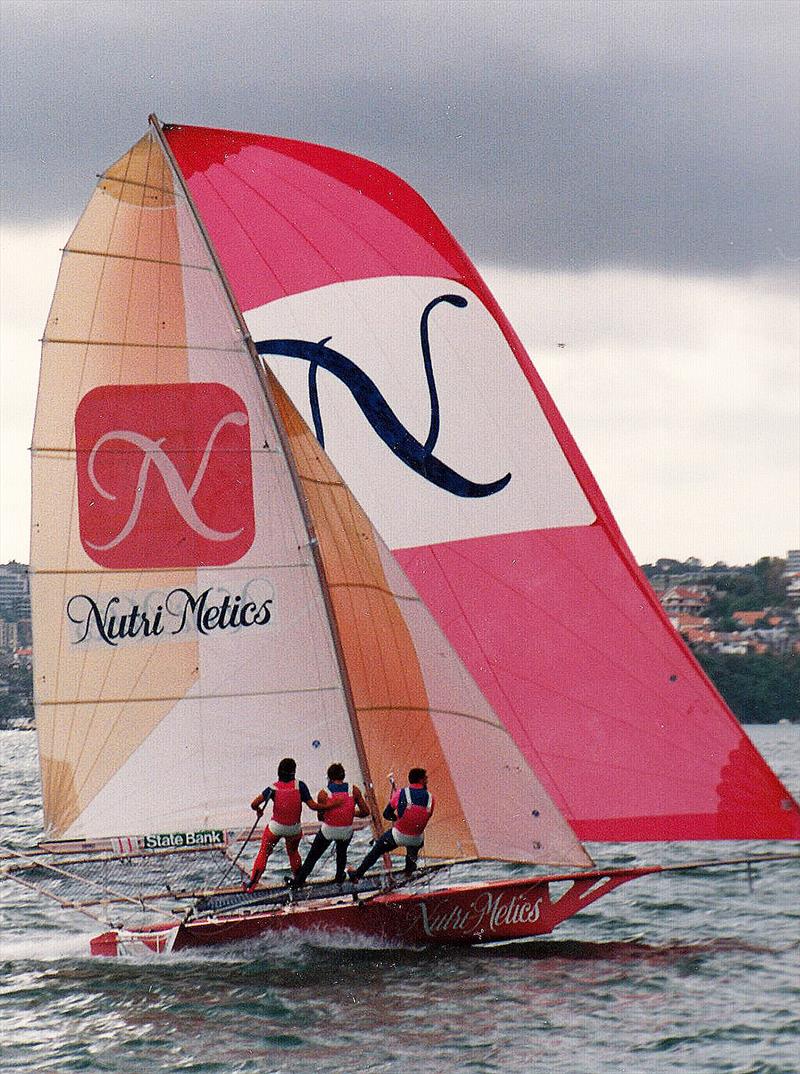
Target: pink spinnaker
[{"x": 557, "y": 625}]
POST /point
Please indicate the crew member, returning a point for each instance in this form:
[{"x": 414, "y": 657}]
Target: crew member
[
  {"x": 410, "y": 809},
  {"x": 344, "y": 803},
  {"x": 287, "y": 795}
]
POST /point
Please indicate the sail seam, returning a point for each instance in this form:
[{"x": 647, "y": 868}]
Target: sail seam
[
  {"x": 134, "y": 257},
  {"x": 434, "y": 711},
  {"x": 375, "y": 588},
  {"x": 141, "y": 571},
  {"x": 322, "y": 482},
  {"x": 191, "y": 697},
  {"x": 249, "y": 239},
  {"x": 70, "y": 452},
  {"x": 303, "y": 237},
  {"x": 143, "y": 186},
  {"x": 325, "y": 208},
  {"x": 141, "y": 346}
]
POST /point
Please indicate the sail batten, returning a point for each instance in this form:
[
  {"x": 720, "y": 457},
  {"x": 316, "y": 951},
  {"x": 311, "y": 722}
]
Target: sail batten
[{"x": 137, "y": 257}]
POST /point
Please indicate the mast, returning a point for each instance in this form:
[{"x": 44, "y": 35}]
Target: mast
[{"x": 295, "y": 478}]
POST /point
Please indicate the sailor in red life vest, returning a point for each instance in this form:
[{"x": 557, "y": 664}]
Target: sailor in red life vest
[
  {"x": 410, "y": 809},
  {"x": 287, "y": 796},
  {"x": 344, "y": 803}
]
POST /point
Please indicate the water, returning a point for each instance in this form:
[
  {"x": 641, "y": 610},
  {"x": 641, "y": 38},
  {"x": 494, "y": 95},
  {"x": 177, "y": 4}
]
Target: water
[{"x": 691, "y": 972}]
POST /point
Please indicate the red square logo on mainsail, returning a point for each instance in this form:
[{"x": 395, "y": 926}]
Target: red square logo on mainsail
[{"x": 164, "y": 475}]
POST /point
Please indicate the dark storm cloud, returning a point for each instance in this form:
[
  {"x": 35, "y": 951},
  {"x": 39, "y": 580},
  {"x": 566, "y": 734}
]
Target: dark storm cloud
[{"x": 556, "y": 135}]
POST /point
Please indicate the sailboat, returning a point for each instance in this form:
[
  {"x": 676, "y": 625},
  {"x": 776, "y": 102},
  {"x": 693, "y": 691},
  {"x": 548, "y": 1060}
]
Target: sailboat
[{"x": 298, "y": 490}]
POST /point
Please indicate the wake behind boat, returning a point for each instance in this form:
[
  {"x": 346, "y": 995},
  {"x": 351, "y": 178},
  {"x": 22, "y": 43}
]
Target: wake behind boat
[{"x": 298, "y": 490}]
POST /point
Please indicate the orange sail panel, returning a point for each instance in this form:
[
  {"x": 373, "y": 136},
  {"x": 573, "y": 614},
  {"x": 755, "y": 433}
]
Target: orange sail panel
[{"x": 414, "y": 703}]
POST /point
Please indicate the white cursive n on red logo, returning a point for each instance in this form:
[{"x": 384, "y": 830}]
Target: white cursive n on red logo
[{"x": 164, "y": 475}]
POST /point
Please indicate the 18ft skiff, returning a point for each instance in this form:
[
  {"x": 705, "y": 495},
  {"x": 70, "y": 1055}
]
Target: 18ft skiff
[{"x": 298, "y": 490}]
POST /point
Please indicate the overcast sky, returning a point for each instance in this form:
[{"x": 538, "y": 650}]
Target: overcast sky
[{"x": 624, "y": 174}]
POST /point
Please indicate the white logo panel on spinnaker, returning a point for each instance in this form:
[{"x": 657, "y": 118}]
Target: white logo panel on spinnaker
[{"x": 419, "y": 401}]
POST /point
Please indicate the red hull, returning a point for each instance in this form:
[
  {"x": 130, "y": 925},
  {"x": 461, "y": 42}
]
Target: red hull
[{"x": 471, "y": 914}]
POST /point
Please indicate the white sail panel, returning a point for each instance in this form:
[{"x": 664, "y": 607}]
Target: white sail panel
[
  {"x": 209, "y": 758},
  {"x": 459, "y": 392}
]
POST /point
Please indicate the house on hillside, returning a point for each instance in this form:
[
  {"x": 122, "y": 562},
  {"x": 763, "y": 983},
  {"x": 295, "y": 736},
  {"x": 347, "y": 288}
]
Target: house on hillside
[
  {"x": 749, "y": 619},
  {"x": 684, "y": 622},
  {"x": 9, "y": 636},
  {"x": 699, "y": 636},
  {"x": 733, "y": 644},
  {"x": 684, "y": 600},
  {"x": 792, "y": 575},
  {"x": 22, "y": 658}
]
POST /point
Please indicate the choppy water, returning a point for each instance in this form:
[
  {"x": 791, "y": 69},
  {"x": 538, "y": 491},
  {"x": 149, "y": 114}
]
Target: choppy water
[{"x": 693, "y": 973}]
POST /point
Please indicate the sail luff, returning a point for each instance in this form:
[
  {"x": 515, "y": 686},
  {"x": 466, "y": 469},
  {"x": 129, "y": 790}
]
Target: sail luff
[{"x": 295, "y": 479}]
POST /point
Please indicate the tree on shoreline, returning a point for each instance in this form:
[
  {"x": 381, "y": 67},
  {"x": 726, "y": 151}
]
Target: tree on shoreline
[{"x": 758, "y": 688}]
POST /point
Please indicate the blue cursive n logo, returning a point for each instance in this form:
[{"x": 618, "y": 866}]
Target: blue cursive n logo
[{"x": 417, "y": 456}]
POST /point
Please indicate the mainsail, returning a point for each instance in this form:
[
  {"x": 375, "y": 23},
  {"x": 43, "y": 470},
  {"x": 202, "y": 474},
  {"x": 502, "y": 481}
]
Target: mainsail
[
  {"x": 208, "y": 596},
  {"x": 153, "y": 577},
  {"x": 395, "y": 353}
]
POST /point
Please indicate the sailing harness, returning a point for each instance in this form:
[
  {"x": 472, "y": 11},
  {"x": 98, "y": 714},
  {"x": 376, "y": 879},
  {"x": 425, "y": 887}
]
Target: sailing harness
[
  {"x": 413, "y": 807},
  {"x": 287, "y": 805},
  {"x": 338, "y": 819}
]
